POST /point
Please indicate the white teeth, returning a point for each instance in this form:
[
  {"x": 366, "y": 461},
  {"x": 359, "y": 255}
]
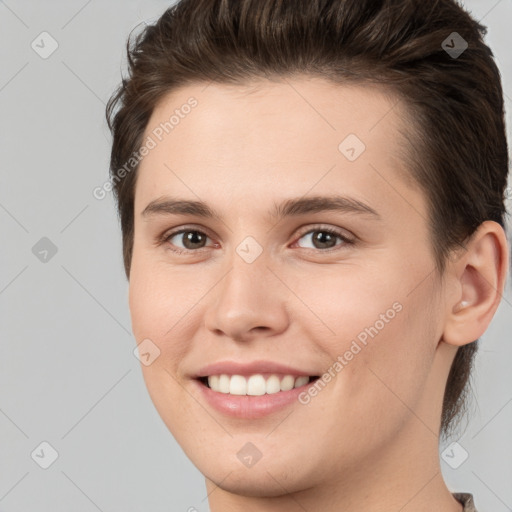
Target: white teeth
[
  {"x": 255, "y": 385},
  {"x": 300, "y": 381},
  {"x": 223, "y": 383},
  {"x": 238, "y": 385},
  {"x": 287, "y": 382},
  {"x": 213, "y": 382},
  {"x": 273, "y": 384}
]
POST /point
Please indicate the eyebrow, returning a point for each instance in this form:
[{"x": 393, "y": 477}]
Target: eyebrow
[{"x": 288, "y": 208}]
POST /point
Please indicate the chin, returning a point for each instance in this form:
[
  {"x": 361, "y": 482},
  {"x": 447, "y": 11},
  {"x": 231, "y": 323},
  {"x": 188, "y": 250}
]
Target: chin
[{"x": 257, "y": 483}]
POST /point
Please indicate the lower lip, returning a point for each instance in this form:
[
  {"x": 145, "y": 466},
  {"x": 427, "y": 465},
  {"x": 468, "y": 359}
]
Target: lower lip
[{"x": 250, "y": 407}]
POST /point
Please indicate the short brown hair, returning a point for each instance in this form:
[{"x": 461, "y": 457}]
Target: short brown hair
[{"x": 458, "y": 149}]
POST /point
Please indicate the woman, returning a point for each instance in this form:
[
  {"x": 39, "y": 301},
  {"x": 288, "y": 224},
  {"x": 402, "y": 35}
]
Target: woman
[{"x": 311, "y": 199}]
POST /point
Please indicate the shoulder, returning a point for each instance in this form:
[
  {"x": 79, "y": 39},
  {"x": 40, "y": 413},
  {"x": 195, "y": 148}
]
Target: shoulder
[{"x": 467, "y": 500}]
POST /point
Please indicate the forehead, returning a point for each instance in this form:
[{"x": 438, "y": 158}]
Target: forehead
[
  {"x": 270, "y": 137},
  {"x": 242, "y": 109}
]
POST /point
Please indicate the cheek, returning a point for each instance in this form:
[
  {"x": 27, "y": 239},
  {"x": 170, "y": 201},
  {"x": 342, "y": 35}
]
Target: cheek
[
  {"x": 346, "y": 307},
  {"x": 381, "y": 351},
  {"x": 160, "y": 309},
  {"x": 160, "y": 300}
]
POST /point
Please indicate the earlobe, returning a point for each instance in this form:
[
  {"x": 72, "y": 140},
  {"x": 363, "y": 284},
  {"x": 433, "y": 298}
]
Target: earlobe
[{"x": 479, "y": 275}]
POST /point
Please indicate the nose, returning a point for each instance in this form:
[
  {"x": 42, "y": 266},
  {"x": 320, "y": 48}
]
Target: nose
[{"x": 249, "y": 302}]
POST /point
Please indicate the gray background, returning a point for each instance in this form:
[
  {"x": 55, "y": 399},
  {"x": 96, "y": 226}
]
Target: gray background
[{"x": 68, "y": 375}]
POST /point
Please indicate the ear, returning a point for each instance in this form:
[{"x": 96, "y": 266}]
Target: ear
[{"x": 475, "y": 285}]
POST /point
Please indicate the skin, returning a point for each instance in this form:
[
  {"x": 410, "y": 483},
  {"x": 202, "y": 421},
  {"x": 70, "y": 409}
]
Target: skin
[{"x": 369, "y": 440}]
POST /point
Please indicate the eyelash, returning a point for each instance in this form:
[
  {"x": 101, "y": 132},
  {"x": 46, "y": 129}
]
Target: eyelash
[{"x": 324, "y": 229}]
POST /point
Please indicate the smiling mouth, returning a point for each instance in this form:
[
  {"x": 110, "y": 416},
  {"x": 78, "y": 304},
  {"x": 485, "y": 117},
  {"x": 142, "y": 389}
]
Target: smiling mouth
[{"x": 256, "y": 384}]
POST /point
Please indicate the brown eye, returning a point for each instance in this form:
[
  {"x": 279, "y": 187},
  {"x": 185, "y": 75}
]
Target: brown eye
[
  {"x": 191, "y": 239},
  {"x": 324, "y": 238}
]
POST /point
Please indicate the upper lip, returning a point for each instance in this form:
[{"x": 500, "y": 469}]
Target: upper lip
[{"x": 239, "y": 368}]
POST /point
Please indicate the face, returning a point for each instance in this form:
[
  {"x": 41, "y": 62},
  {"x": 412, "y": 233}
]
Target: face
[{"x": 339, "y": 286}]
